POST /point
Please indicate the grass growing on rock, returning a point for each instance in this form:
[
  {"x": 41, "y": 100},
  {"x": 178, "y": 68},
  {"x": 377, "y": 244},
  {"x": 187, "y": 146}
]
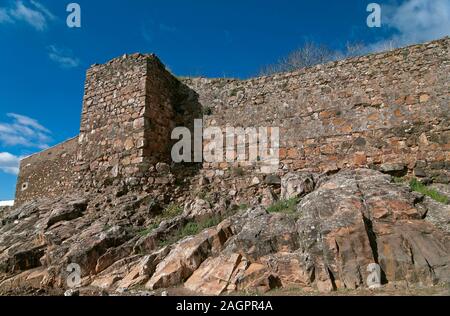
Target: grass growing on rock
[
  {"x": 284, "y": 206},
  {"x": 190, "y": 229},
  {"x": 242, "y": 207},
  {"x": 205, "y": 196},
  {"x": 398, "y": 180},
  {"x": 417, "y": 186},
  {"x": 171, "y": 211},
  {"x": 148, "y": 230}
]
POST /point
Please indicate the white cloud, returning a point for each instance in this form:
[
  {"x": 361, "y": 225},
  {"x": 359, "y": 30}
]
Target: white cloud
[
  {"x": 33, "y": 13},
  {"x": 33, "y": 17},
  {"x": 9, "y": 163},
  {"x": 43, "y": 9},
  {"x": 63, "y": 57},
  {"x": 7, "y": 203},
  {"x": 4, "y": 16},
  {"x": 27, "y": 121},
  {"x": 415, "y": 21},
  {"x": 24, "y": 131}
]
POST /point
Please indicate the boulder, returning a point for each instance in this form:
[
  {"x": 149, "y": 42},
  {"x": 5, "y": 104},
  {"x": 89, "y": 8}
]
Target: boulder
[
  {"x": 67, "y": 212},
  {"x": 199, "y": 208},
  {"x": 214, "y": 275},
  {"x": 294, "y": 185},
  {"x": 187, "y": 255},
  {"x": 437, "y": 214},
  {"x": 394, "y": 169}
]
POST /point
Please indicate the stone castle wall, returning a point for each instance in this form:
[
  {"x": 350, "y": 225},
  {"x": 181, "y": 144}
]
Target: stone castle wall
[
  {"x": 49, "y": 173},
  {"x": 386, "y": 111}
]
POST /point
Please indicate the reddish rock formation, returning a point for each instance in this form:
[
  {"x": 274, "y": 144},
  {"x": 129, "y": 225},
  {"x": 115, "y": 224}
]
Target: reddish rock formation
[{"x": 347, "y": 222}]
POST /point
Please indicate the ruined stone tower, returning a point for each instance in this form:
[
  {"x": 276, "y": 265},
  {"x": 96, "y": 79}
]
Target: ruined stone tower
[
  {"x": 127, "y": 118},
  {"x": 126, "y": 122}
]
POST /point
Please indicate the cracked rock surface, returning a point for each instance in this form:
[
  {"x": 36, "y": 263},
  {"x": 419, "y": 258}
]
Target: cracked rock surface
[{"x": 341, "y": 224}]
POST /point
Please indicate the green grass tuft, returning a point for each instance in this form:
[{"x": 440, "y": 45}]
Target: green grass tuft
[
  {"x": 284, "y": 206},
  {"x": 171, "y": 211},
  {"x": 398, "y": 180},
  {"x": 417, "y": 186},
  {"x": 242, "y": 207},
  {"x": 191, "y": 229},
  {"x": 149, "y": 229}
]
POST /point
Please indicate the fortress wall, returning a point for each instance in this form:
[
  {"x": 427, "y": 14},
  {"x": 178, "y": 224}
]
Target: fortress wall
[
  {"x": 376, "y": 111},
  {"x": 387, "y": 111},
  {"x": 48, "y": 173}
]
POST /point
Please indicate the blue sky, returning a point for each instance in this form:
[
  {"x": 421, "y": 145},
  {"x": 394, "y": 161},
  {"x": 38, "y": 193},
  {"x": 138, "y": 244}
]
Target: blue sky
[{"x": 43, "y": 62}]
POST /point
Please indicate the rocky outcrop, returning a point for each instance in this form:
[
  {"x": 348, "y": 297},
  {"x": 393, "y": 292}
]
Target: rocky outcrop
[
  {"x": 341, "y": 224},
  {"x": 350, "y": 221},
  {"x": 186, "y": 257}
]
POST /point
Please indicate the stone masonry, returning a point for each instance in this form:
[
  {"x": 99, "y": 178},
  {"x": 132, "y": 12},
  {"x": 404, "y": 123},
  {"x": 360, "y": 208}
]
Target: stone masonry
[
  {"x": 127, "y": 118},
  {"x": 49, "y": 173},
  {"x": 386, "y": 111}
]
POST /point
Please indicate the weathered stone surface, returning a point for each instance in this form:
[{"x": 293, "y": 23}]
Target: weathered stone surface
[
  {"x": 259, "y": 233},
  {"x": 32, "y": 278},
  {"x": 365, "y": 219},
  {"x": 198, "y": 209},
  {"x": 267, "y": 197},
  {"x": 91, "y": 245},
  {"x": 141, "y": 271},
  {"x": 294, "y": 185},
  {"x": 363, "y": 112},
  {"x": 214, "y": 275},
  {"x": 110, "y": 277},
  {"x": 50, "y": 235},
  {"x": 351, "y": 220},
  {"x": 162, "y": 167},
  {"x": 67, "y": 212},
  {"x": 186, "y": 257},
  {"x": 113, "y": 255},
  {"x": 272, "y": 179},
  {"x": 438, "y": 214},
  {"x": 393, "y": 168}
]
